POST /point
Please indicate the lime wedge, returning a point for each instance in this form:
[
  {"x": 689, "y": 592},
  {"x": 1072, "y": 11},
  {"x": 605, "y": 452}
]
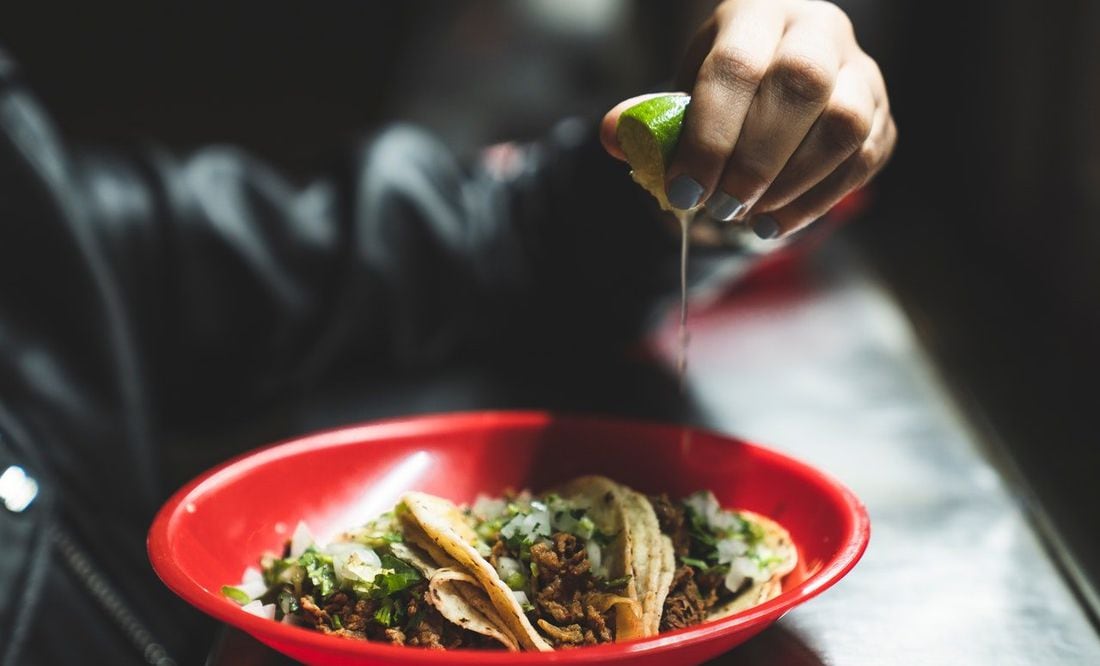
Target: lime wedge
[{"x": 647, "y": 133}]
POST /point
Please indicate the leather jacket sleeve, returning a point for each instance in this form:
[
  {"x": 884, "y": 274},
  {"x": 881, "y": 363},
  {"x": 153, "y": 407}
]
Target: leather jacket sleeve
[{"x": 140, "y": 289}]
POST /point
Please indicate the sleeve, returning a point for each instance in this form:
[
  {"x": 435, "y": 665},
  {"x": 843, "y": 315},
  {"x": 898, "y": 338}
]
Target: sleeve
[
  {"x": 142, "y": 289},
  {"x": 241, "y": 284}
]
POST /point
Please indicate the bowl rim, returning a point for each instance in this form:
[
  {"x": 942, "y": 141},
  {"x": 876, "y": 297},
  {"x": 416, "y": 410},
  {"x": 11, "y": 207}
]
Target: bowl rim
[{"x": 853, "y": 544}]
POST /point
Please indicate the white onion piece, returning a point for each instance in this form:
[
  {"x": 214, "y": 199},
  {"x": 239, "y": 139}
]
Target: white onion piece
[
  {"x": 487, "y": 507},
  {"x": 254, "y": 589},
  {"x": 506, "y": 566},
  {"x": 730, "y": 549},
  {"x": 300, "y": 540},
  {"x": 595, "y": 558},
  {"x": 260, "y": 609},
  {"x": 252, "y": 583},
  {"x": 521, "y": 597},
  {"x": 354, "y": 561},
  {"x": 734, "y": 579}
]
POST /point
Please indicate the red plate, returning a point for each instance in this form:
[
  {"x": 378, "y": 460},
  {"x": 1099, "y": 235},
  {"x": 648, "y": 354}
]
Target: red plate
[{"x": 222, "y": 522}]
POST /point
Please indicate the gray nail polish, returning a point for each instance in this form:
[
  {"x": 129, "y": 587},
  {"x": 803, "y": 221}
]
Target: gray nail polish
[
  {"x": 765, "y": 227},
  {"x": 722, "y": 206},
  {"x": 684, "y": 192}
]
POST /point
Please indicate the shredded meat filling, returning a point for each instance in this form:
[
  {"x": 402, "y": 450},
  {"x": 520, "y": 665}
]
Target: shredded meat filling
[
  {"x": 430, "y": 629},
  {"x": 692, "y": 594},
  {"x": 562, "y": 592}
]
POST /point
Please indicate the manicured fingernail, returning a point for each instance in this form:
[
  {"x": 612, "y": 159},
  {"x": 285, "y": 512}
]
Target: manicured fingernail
[
  {"x": 765, "y": 227},
  {"x": 684, "y": 192},
  {"x": 722, "y": 206}
]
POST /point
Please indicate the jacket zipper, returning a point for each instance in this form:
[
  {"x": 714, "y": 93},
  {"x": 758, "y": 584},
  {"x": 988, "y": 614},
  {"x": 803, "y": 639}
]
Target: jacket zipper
[{"x": 78, "y": 561}]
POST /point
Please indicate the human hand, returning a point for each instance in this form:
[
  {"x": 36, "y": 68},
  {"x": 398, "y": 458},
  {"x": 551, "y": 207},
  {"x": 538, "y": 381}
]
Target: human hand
[{"x": 788, "y": 115}]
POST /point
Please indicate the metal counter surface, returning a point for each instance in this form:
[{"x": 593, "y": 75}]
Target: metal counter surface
[
  {"x": 820, "y": 362},
  {"x": 826, "y": 367}
]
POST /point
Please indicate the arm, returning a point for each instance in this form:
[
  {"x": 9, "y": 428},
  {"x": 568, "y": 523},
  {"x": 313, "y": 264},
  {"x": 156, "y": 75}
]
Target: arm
[{"x": 138, "y": 291}]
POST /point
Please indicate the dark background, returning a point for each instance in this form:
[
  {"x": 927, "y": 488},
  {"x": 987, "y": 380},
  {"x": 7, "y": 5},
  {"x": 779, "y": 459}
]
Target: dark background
[{"x": 985, "y": 224}]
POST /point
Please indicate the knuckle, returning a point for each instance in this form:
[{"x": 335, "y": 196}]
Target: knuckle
[
  {"x": 864, "y": 164},
  {"x": 724, "y": 12},
  {"x": 749, "y": 175},
  {"x": 708, "y": 148},
  {"x": 802, "y": 80},
  {"x": 844, "y": 129},
  {"x": 734, "y": 69},
  {"x": 836, "y": 15}
]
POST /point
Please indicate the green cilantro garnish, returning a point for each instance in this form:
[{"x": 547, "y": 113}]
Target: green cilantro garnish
[
  {"x": 388, "y": 614},
  {"x": 614, "y": 583},
  {"x": 236, "y": 594},
  {"x": 516, "y": 580},
  {"x": 398, "y": 576},
  {"x": 286, "y": 602},
  {"x": 692, "y": 562},
  {"x": 320, "y": 572}
]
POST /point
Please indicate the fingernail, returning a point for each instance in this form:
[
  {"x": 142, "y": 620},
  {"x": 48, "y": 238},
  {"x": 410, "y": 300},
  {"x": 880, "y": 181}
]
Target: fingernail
[
  {"x": 684, "y": 192},
  {"x": 722, "y": 206},
  {"x": 765, "y": 227}
]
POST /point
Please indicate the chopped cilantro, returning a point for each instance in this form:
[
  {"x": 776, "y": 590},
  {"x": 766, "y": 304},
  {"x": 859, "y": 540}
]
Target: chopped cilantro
[
  {"x": 388, "y": 613},
  {"x": 396, "y": 576},
  {"x": 337, "y": 623},
  {"x": 287, "y": 603},
  {"x": 320, "y": 571},
  {"x": 236, "y": 594},
  {"x": 516, "y": 580},
  {"x": 692, "y": 562},
  {"x": 586, "y": 529},
  {"x": 614, "y": 583}
]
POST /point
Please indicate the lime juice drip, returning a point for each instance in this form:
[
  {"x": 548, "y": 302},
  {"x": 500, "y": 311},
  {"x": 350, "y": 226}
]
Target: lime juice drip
[{"x": 685, "y": 217}]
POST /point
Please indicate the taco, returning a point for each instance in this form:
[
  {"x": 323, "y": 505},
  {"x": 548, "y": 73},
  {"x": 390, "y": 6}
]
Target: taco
[
  {"x": 590, "y": 562},
  {"x": 556, "y": 566},
  {"x": 376, "y": 582},
  {"x": 713, "y": 562}
]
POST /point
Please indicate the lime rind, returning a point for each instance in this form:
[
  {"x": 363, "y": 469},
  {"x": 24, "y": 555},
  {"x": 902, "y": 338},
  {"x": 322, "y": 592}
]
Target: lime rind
[{"x": 648, "y": 132}]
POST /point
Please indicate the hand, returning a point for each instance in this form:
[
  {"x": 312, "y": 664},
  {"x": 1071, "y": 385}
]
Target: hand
[{"x": 787, "y": 116}]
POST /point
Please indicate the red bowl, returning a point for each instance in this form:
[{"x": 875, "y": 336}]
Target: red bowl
[{"x": 223, "y": 521}]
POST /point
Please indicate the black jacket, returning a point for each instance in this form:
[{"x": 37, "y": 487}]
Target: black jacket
[{"x": 141, "y": 292}]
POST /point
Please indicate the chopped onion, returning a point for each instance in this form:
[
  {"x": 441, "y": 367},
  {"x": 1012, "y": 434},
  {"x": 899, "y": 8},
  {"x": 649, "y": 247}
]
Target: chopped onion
[
  {"x": 747, "y": 566},
  {"x": 260, "y": 609},
  {"x": 353, "y": 561},
  {"x": 537, "y": 523},
  {"x": 564, "y": 522},
  {"x": 252, "y": 583},
  {"x": 734, "y": 579},
  {"x": 300, "y": 540},
  {"x": 488, "y": 508},
  {"x": 729, "y": 549},
  {"x": 595, "y": 558},
  {"x": 726, "y": 522},
  {"x": 506, "y": 566},
  {"x": 254, "y": 589},
  {"x": 521, "y": 597},
  {"x": 703, "y": 503}
]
